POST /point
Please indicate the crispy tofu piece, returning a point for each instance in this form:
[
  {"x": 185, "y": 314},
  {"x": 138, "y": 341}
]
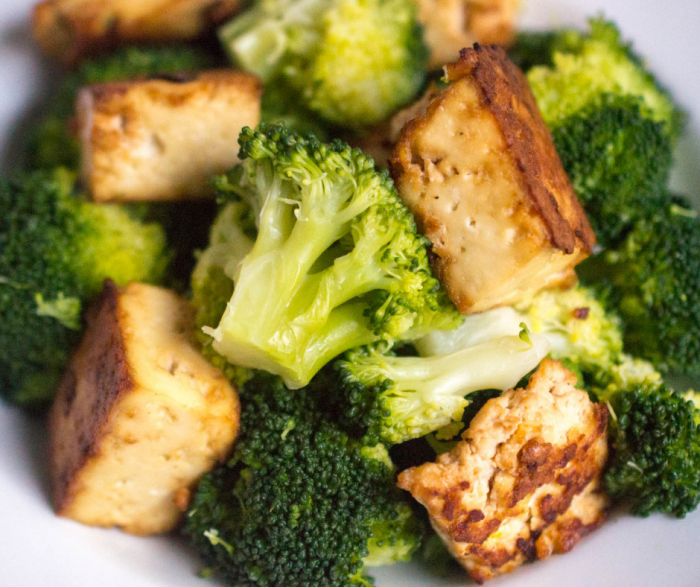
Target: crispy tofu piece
[
  {"x": 451, "y": 25},
  {"x": 162, "y": 139},
  {"x": 481, "y": 175},
  {"x": 72, "y": 29},
  {"x": 140, "y": 415},
  {"x": 525, "y": 480}
]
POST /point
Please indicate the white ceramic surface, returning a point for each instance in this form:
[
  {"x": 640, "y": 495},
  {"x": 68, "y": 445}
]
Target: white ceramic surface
[{"x": 39, "y": 550}]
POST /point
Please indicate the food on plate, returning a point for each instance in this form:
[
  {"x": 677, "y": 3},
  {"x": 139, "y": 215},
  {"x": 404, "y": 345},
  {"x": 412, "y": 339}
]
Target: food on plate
[
  {"x": 54, "y": 142},
  {"x": 613, "y": 125},
  {"x": 525, "y": 480},
  {"x": 163, "y": 138},
  {"x": 55, "y": 251},
  {"x": 480, "y": 173},
  {"x": 431, "y": 335},
  {"x": 72, "y": 29},
  {"x": 336, "y": 263},
  {"x": 351, "y": 63},
  {"x": 451, "y": 25},
  {"x": 300, "y": 503},
  {"x": 139, "y": 416}
]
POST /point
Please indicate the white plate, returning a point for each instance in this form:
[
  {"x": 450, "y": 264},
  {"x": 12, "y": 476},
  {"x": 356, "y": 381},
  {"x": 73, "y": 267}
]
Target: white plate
[{"x": 39, "y": 550}]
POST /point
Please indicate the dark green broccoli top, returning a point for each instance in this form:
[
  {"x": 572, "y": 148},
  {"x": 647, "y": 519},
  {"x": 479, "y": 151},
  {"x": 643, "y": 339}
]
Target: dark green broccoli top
[{"x": 300, "y": 504}]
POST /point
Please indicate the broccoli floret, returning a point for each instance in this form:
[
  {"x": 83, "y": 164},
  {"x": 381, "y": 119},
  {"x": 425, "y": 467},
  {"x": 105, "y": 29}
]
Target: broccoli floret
[
  {"x": 618, "y": 161},
  {"x": 300, "y": 502},
  {"x": 655, "y": 277},
  {"x": 537, "y": 48},
  {"x": 280, "y": 105},
  {"x": 55, "y": 252},
  {"x": 589, "y": 65},
  {"x": 353, "y": 62},
  {"x": 231, "y": 238},
  {"x": 398, "y": 398},
  {"x": 51, "y": 143},
  {"x": 654, "y": 464},
  {"x": 337, "y": 262}
]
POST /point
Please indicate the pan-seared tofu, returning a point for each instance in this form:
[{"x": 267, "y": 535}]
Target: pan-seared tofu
[
  {"x": 451, "y": 25},
  {"x": 72, "y": 29},
  {"x": 140, "y": 415},
  {"x": 480, "y": 173},
  {"x": 163, "y": 139},
  {"x": 525, "y": 481}
]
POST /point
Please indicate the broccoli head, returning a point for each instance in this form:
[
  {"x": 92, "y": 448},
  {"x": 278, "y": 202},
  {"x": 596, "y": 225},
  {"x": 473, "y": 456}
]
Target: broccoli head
[
  {"x": 300, "y": 503},
  {"x": 337, "y": 262},
  {"x": 655, "y": 277},
  {"x": 51, "y": 143},
  {"x": 586, "y": 66},
  {"x": 654, "y": 464},
  {"x": 55, "y": 252},
  {"x": 618, "y": 161},
  {"x": 395, "y": 398},
  {"x": 352, "y": 62}
]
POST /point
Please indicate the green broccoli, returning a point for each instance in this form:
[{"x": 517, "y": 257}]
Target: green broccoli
[
  {"x": 280, "y": 105},
  {"x": 586, "y": 66},
  {"x": 51, "y": 143},
  {"x": 300, "y": 502},
  {"x": 55, "y": 252},
  {"x": 655, "y": 277},
  {"x": 654, "y": 437},
  {"x": 337, "y": 262},
  {"x": 353, "y": 62},
  {"x": 395, "y": 398},
  {"x": 537, "y": 48},
  {"x": 618, "y": 161}
]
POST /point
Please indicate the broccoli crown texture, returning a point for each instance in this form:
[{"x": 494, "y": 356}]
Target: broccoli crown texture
[
  {"x": 599, "y": 62},
  {"x": 55, "y": 253},
  {"x": 655, "y": 444},
  {"x": 51, "y": 144},
  {"x": 337, "y": 262},
  {"x": 537, "y": 48},
  {"x": 395, "y": 398},
  {"x": 655, "y": 276},
  {"x": 618, "y": 161},
  {"x": 353, "y": 62},
  {"x": 300, "y": 502}
]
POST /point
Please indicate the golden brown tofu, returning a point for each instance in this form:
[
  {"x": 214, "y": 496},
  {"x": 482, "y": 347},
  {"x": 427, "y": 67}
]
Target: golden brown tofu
[
  {"x": 481, "y": 175},
  {"x": 525, "y": 480},
  {"x": 140, "y": 415},
  {"x": 72, "y": 29},
  {"x": 451, "y": 25},
  {"x": 163, "y": 139}
]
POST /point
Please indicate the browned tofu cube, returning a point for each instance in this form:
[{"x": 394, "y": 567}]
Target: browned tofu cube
[
  {"x": 140, "y": 415},
  {"x": 525, "y": 481},
  {"x": 163, "y": 139},
  {"x": 451, "y": 25},
  {"x": 72, "y": 29},
  {"x": 481, "y": 175}
]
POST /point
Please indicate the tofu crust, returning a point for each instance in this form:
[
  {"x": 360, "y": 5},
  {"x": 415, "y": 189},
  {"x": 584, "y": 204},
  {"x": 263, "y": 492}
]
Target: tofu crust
[
  {"x": 451, "y": 25},
  {"x": 70, "y": 30},
  {"x": 139, "y": 416},
  {"x": 480, "y": 173},
  {"x": 163, "y": 139},
  {"x": 525, "y": 481}
]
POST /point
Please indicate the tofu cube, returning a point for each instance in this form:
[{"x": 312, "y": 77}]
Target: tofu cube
[
  {"x": 480, "y": 173},
  {"x": 72, "y": 29},
  {"x": 163, "y": 139},
  {"x": 140, "y": 415},
  {"x": 451, "y": 25}
]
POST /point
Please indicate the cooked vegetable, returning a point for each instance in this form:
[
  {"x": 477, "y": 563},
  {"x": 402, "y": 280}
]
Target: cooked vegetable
[
  {"x": 300, "y": 503},
  {"x": 337, "y": 262},
  {"x": 655, "y": 459},
  {"x": 51, "y": 144},
  {"x": 55, "y": 252},
  {"x": 353, "y": 62},
  {"x": 655, "y": 276},
  {"x": 398, "y": 398}
]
